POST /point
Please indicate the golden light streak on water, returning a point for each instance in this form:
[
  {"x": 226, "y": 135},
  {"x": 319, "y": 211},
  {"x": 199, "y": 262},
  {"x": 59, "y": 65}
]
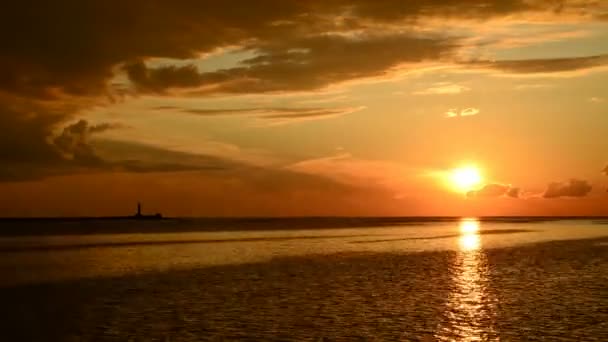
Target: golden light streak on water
[{"x": 470, "y": 308}]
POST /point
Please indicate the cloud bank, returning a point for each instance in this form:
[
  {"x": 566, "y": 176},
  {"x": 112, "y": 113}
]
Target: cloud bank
[
  {"x": 571, "y": 188},
  {"x": 545, "y": 66},
  {"x": 59, "y": 58}
]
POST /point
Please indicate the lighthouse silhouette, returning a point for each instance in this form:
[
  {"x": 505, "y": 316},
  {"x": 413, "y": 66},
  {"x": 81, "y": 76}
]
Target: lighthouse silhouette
[{"x": 139, "y": 215}]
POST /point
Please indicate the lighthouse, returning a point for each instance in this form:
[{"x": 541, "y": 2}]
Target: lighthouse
[{"x": 138, "y": 215}]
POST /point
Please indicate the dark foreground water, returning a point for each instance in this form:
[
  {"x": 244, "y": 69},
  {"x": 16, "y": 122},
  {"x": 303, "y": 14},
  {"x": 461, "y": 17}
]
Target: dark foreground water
[{"x": 462, "y": 280}]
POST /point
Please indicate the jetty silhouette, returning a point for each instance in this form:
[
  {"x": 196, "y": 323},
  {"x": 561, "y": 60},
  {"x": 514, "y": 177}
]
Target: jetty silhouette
[{"x": 139, "y": 216}]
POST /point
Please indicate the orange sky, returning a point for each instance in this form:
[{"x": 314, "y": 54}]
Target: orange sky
[{"x": 314, "y": 107}]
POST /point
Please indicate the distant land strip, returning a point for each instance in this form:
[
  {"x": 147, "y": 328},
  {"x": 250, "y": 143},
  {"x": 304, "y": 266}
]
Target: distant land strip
[{"x": 17, "y": 226}]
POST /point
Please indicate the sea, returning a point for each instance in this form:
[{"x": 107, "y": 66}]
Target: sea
[{"x": 304, "y": 279}]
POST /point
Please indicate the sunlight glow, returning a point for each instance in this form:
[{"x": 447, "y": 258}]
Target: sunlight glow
[
  {"x": 469, "y": 242},
  {"x": 469, "y": 226},
  {"x": 469, "y": 235},
  {"x": 465, "y": 178}
]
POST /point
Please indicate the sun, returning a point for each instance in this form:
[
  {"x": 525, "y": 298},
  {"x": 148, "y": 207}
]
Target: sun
[{"x": 465, "y": 178}]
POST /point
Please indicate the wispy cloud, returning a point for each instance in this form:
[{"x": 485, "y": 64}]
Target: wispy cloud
[
  {"x": 595, "y": 99},
  {"x": 348, "y": 169},
  {"x": 515, "y": 36},
  {"x": 532, "y": 86},
  {"x": 281, "y": 118},
  {"x": 275, "y": 115},
  {"x": 554, "y": 67},
  {"x": 443, "y": 88},
  {"x": 455, "y": 113},
  {"x": 495, "y": 190}
]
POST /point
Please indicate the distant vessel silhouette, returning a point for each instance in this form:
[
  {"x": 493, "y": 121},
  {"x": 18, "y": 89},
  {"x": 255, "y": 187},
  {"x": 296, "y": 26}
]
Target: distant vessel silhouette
[{"x": 140, "y": 216}]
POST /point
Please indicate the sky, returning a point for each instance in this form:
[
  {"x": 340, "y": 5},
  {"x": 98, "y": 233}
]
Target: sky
[{"x": 298, "y": 108}]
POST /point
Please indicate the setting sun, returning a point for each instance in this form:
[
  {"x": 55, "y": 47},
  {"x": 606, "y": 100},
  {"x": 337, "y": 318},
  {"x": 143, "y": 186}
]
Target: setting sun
[{"x": 465, "y": 178}]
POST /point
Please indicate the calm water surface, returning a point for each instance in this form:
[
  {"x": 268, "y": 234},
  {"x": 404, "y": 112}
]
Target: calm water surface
[{"x": 464, "y": 280}]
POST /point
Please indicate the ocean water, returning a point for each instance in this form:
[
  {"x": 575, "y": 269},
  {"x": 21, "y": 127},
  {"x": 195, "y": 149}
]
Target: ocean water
[{"x": 304, "y": 280}]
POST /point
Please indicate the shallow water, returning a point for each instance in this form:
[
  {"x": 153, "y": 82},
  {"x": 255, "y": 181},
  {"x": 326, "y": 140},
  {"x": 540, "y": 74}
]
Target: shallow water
[{"x": 456, "y": 280}]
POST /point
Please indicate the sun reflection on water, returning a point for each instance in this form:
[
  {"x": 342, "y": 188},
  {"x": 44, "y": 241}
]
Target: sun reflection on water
[
  {"x": 469, "y": 239},
  {"x": 469, "y": 226},
  {"x": 470, "y": 307}
]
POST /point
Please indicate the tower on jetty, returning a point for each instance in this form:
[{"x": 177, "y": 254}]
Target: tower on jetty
[{"x": 139, "y": 216}]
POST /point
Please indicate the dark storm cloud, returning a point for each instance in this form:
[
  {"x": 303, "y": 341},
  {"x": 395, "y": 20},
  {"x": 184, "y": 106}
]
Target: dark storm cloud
[
  {"x": 331, "y": 60},
  {"x": 74, "y": 45},
  {"x": 159, "y": 79},
  {"x": 50, "y": 49},
  {"x": 495, "y": 190},
  {"x": 25, "y": 126},
  {"x": 74, "y": 141},
  {"x": 74, "y": 150},
  {"x": 571, "y": 188},
  {"x": 302, "y": 64}
]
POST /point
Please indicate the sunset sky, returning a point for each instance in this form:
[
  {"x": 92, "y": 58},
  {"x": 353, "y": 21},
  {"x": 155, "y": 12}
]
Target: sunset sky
[{"x": 321, "y": 107}]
